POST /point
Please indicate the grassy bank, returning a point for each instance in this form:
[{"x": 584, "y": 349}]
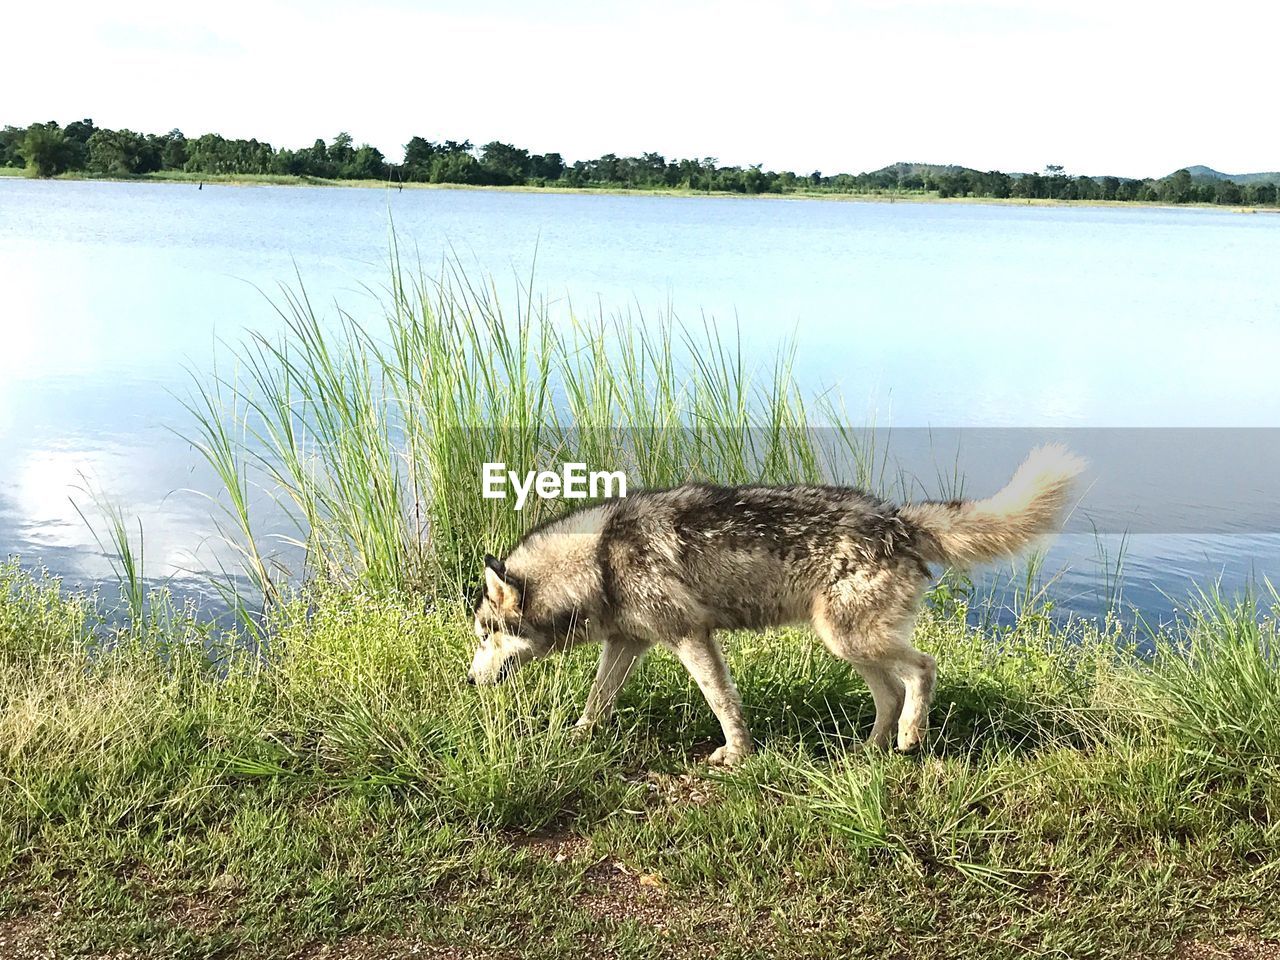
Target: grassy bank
[
  {"x": 275, "y": 179},
  {"x": 346, "y": 789},
  {"x": 881, "y": 196},
  {"x": 181, "y": 176}
]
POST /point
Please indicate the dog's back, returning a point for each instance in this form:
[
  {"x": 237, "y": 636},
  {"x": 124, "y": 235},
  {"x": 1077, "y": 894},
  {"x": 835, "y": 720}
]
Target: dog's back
[
  {"x": 695, "y": 557},
  {"x": 708, "y": 557}
]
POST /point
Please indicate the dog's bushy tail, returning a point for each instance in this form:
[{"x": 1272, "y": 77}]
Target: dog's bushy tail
[{"x": 1033, "y": 503}]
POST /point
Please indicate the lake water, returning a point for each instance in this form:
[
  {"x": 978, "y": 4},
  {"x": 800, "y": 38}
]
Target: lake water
[{"x": 1101, "y": 326}]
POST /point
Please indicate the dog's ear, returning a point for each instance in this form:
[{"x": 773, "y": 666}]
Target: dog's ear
[{"x": 498, "y": 588}]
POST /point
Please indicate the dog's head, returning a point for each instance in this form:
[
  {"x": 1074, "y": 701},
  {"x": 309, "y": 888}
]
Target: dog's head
[{"x": 507, "y": 639}]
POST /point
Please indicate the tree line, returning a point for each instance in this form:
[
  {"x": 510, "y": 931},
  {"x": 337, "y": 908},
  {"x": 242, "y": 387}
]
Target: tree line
[{"x": 48, "y": 149}]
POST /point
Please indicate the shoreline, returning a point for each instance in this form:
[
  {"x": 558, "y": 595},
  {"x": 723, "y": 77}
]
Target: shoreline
[{"x": 292, "y": 180}]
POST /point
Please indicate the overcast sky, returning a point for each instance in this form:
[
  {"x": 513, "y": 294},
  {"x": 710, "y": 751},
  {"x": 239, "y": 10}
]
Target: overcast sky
[{"x": 1100, "y": 86}]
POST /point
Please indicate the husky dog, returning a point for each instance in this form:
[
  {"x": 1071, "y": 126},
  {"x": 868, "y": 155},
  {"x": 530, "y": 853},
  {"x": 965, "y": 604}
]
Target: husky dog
[{"x": 669, "y": 567}]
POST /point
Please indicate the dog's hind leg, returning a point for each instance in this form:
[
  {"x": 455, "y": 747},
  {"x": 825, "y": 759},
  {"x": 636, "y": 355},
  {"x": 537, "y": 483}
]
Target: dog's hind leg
[
  {"x": 887, "y": 689},
  {"x": 918, "y": 672},
  {"x": 889, "y": 695},
  {"x": 702, "y": 657},
  {"x": 910, "y": 675},
  {"x": 618, "y": 657}
]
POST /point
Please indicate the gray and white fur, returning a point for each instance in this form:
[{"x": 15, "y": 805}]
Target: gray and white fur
[{"x": 670, "y": 567}]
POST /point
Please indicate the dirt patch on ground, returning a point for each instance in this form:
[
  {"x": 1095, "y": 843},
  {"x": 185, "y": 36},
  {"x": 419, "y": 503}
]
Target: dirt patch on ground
[
  {"x": 204, "y": 913},
  {"x": 554, "y": 844},
  {"x": 1230, "y": 948},
  {"x": 675, "y": 788},
  {"x": 26, "y": 938},
  {"x": 21, "y": 939},
  {"x": 384, "y": 948},
  {"x": 613, "y": 891}
]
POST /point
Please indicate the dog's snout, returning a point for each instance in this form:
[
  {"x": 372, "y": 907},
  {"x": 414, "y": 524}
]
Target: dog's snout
[{"x": 471, "y": 680}]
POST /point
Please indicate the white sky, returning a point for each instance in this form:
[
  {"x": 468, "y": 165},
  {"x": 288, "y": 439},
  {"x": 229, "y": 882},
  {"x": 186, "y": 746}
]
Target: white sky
[{"x": 1100, "y": 86}]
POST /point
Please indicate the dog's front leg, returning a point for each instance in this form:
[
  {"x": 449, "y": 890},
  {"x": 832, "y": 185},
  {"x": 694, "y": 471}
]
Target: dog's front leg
[
  {"x": 702, "y": 657},
  {"x": 618, "y": 657}
]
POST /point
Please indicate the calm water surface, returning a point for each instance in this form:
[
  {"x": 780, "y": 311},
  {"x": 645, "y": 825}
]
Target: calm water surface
[{"x": 1064, "y": 320}]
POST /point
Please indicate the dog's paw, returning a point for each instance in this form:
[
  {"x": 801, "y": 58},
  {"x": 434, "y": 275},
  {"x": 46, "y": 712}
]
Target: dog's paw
[
  {"x": 726, "y": 757},
  {"x": 582, "y": 730},
  {"x": 909, "y": 741}
]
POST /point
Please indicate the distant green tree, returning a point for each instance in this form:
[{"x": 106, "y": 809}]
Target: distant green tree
[
  {"x": 11, "y": 146},
  {"x": 367, "y": 163},
  {"x": 314, "y": 161},
  {"x": 340, "y": 154},
  {"x": 1226, "y": 191},
  {"x": 1028, "y": 187},
  {"x": 843, "y": 183},
  {"x": 708, "y": 168},
  {"x": 45, "y": 150},
  {"x": 208, "y": 154},
  {"x": 418, "y": 153},
  {"x": 173, "y": 150},
  {"x": 214, "y": 154},
  {"x": 755, "y": 180},
  {"x": 456, "y": 166},
  {"x": 996, "y": 184},
  {"x": 78, "y": 133},
  {"x": 1176, "y": 188},
  {"x": 727, "y": 179},
  {"x": 1058, "y": 186},
  {"x": 608, "y": 169},
  {"x": 546, "y": 166},
  {"x": 652, "y": 168},
  {"x": 123, "y": 153},
  {"x": 1087, "y": 188},
  {"x": 505, "y": 163},
  {"x": 107, "y": 152},
  {"x": 1261, "y": 193}
]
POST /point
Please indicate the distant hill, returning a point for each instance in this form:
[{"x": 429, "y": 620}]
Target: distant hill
[
  {"x": 922, "y": 169},
  {"x": 1199, "y": 173},
  {"x": 934, "y": 169},
  {"x": 1203, "y": 173}
]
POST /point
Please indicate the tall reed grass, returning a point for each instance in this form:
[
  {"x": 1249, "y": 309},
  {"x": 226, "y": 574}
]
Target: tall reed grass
[{"x": 374, "y": 435}]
